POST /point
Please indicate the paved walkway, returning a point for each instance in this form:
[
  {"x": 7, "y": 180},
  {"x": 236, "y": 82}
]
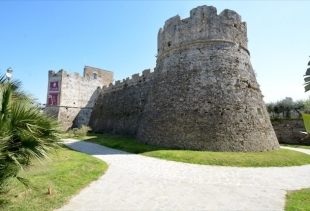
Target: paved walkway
[{"x": 135, "y": 182}]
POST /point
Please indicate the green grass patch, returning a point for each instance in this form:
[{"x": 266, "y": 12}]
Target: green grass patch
[
  {"x": 298, "y": 200},
  {"x": 67, "y": 173},
  {"x": 282, "y": 157}
]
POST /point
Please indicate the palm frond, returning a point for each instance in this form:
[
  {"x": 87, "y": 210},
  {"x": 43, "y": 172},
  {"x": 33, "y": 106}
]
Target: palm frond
[
  {"x": 307, "y": 80},
  {"x": 29, "y": 134},
  {"x": 27, "y": 183}
]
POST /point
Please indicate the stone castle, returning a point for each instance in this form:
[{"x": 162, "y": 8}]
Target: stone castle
[
  {"x": 71, "y": 98},
  {"x": 202, "y": 94}
]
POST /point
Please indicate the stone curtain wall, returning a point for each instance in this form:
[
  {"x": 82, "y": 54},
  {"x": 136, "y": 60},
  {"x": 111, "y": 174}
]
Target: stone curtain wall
[
  {"x": 204, "y": 94},
  {"x": 77, "y": 95},
  {"x": 288, "y": 131},
  {"x": 119, "y": 107}
]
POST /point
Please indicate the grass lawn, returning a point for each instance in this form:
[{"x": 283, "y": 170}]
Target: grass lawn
[
  {"x": 298, "y": 200},
  {"x": 67, "y": 173},
  {"x": 282, "y": 157}
]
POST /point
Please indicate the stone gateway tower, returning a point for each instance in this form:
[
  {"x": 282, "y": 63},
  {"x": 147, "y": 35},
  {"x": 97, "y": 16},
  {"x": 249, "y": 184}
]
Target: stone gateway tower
[
  {"x": 71, "y": 97},
  {"x": 204, "y": 94}
]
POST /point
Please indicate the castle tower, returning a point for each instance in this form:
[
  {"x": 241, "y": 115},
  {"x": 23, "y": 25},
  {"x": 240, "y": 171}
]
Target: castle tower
[
  {"x": 71, "y": 97},
  {"x": 204, "y": 94}
]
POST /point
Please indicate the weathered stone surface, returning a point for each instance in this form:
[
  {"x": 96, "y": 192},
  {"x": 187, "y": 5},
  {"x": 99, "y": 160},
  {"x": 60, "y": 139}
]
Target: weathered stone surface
[
  {"x": 52, "y": 111},
  {"x": 77, "y": 95},
  {"x": 119, "y": 108},
  {"x": 289, "y": 131},
  {"x": 204, "y": 94}
]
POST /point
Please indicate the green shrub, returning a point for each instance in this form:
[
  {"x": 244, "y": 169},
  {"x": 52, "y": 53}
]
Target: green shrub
[
  {"x": 77, "y": 132},
  {"x": 84, "y": 129},
  {"x": 70, "y": 133}
]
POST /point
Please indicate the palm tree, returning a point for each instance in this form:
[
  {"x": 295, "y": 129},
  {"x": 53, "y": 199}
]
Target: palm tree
[
  {"x": 306, "y": 117},
  {"x": 307, "y": 79},
  {"x": 25, "y": 132}
]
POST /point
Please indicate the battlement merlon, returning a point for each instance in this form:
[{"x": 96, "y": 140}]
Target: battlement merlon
[
  {"x": 53, "y": 73},
  {"x": 103, "y": 77},
  {"x": 63, "y": 73},
  {"x": 146, "y": 75},
  {"x": 203, "y": 25}
]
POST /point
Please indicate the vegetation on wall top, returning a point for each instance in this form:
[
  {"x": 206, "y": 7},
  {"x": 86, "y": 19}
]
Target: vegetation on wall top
[{"x": 287, "y": 108}]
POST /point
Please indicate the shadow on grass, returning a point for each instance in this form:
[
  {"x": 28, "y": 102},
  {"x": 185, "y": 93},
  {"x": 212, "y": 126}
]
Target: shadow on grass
[
  {"x": 112, "y": 144},
  {"x": 116, "y": 142}
]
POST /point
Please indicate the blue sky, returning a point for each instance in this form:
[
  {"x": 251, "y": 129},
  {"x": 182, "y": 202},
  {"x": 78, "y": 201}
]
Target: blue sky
[{"x": 121, "y": 36}]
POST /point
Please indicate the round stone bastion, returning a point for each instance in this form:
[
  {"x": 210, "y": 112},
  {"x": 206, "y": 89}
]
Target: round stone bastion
[{"x": 204, "y": 95}]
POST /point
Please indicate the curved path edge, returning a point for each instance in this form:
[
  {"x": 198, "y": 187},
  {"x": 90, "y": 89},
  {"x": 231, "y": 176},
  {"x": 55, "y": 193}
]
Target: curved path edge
[{"x": 135, "y": 182}]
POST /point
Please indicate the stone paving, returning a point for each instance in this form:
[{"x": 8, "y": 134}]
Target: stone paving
[{"x": 135, "y": 182}]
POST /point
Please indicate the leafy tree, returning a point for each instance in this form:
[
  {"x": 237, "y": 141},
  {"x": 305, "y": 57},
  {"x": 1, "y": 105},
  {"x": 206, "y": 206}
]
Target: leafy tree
[
  {"x": 307, "y": 106},
  {"x": 298, "y": 107},
  {"x": 270, "y": 109},
  {"x": 25, "y": 132},
  {"x": 287, "y": 105},
  {"x": 277, "y": 109},
  {"x": 286, "y": 108}
]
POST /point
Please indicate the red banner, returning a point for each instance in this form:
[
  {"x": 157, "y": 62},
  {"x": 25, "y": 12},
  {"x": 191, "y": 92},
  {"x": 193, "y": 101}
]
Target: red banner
[
  {"x": 54, "y": 86},
  {"x": 53, "y": 93},
  {"x": 53, "y": 99}
]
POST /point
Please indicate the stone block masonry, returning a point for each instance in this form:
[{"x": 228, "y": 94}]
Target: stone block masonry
[
  {"x": 288, "y": 131},
  {"x": 202, "y": 94},
  {"x": 76, "y": 95},
  {"x": 119, "y": 108}
]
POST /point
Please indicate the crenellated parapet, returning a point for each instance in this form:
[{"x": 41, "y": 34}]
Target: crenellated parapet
[
  {"x": 90, "y": 74},
  {"x": 62, "y": 73},
  {"x": 54, "y": 74},
  {"x": 135, "y": 79},
  {"x": 204, "y": 25}
]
